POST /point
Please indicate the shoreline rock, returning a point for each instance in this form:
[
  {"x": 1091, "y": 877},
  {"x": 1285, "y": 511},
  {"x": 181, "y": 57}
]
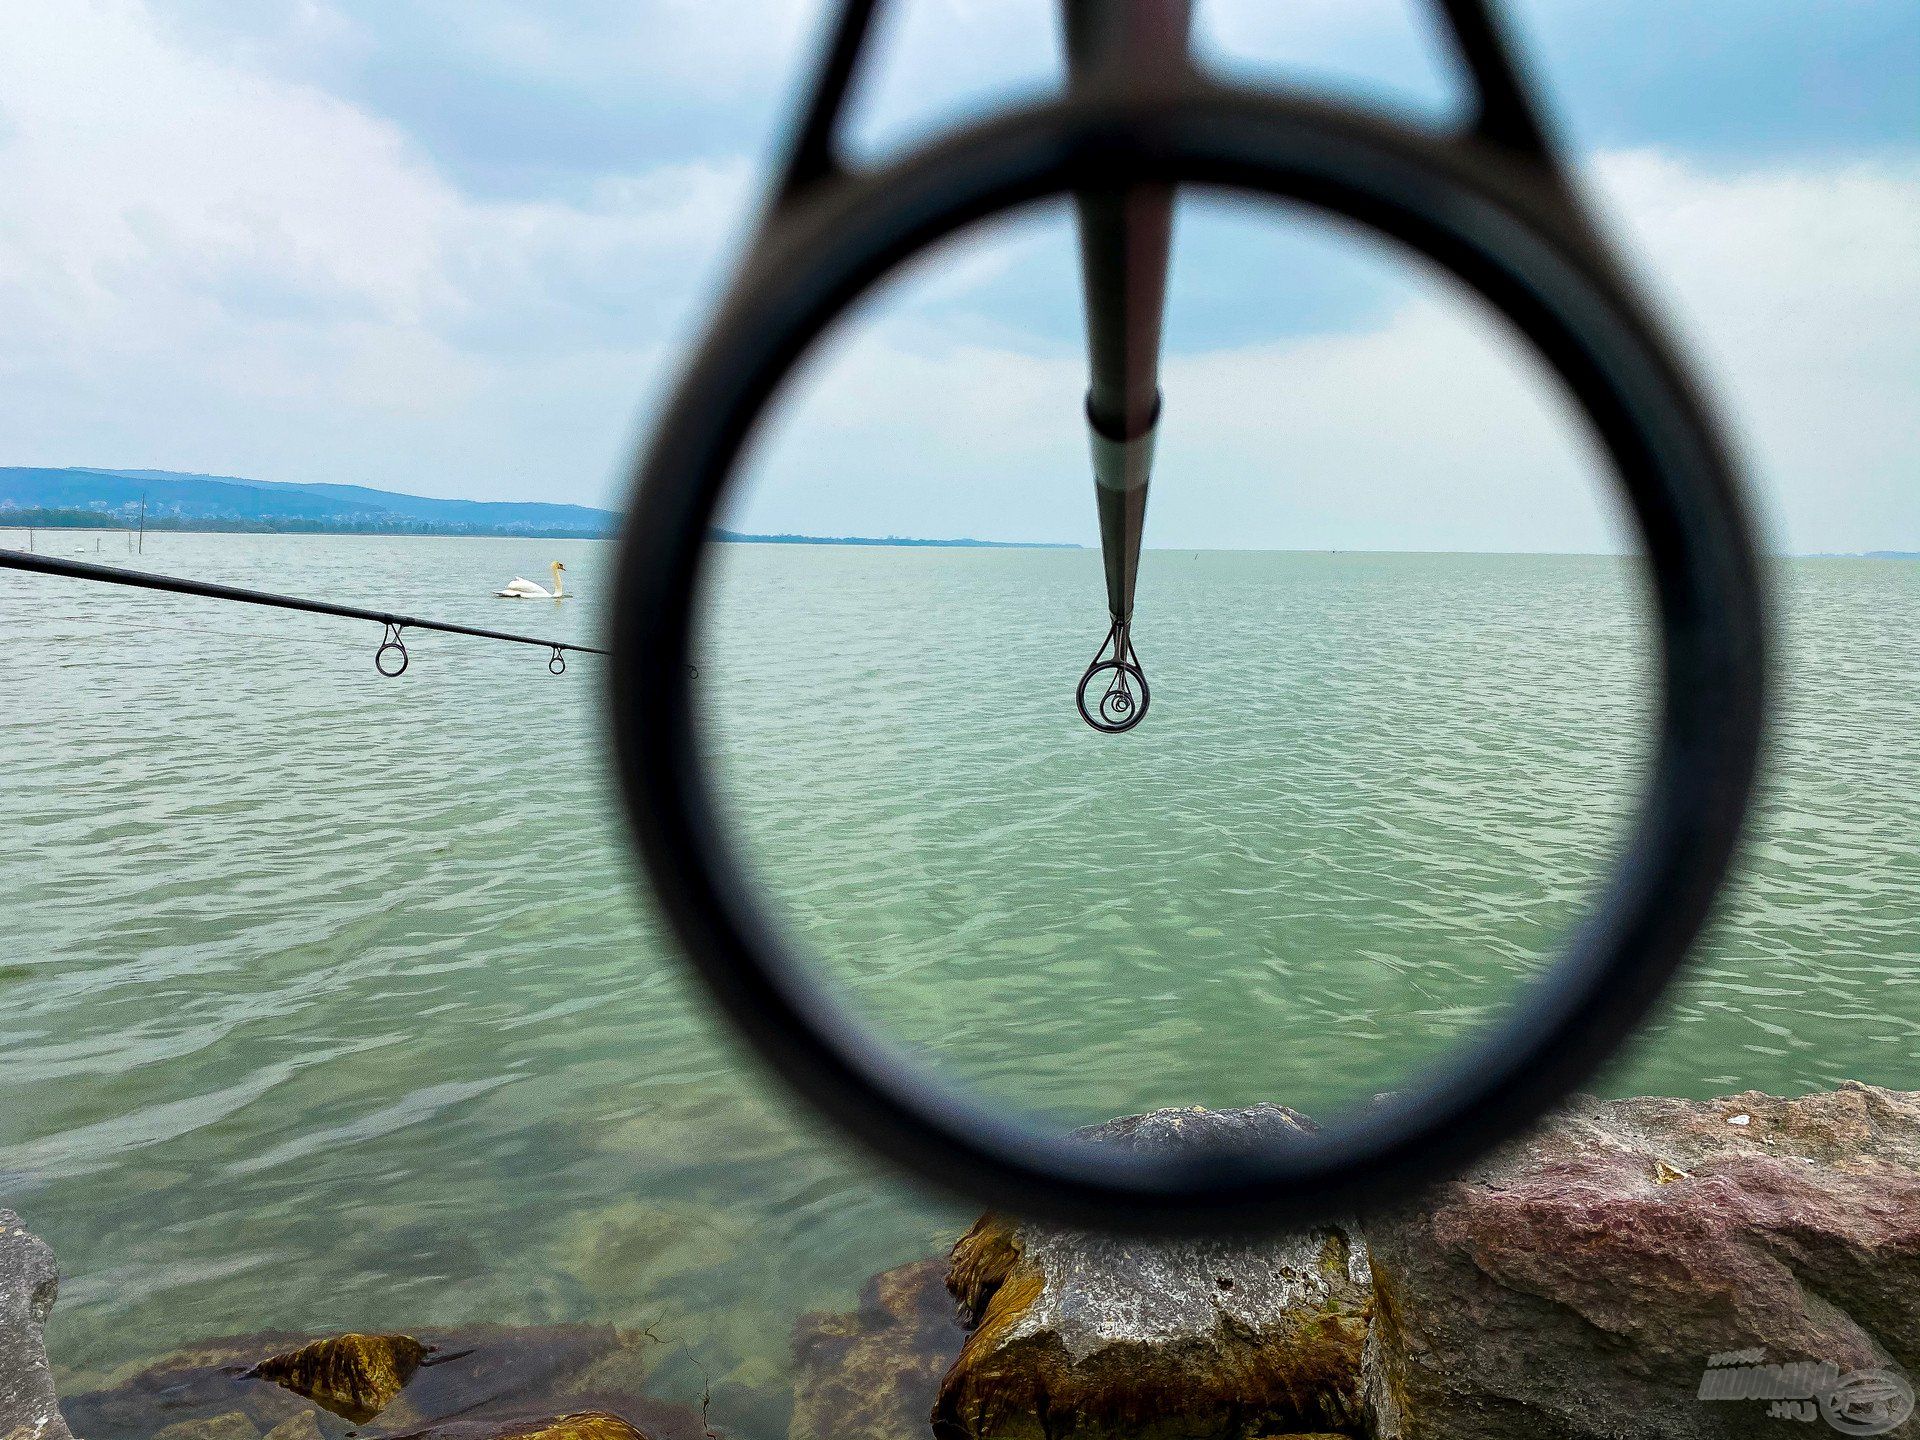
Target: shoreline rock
[
  {"x": 1641, "y": 1269},
  {"x": 1098, "y": 1336},
  {"x": 1094, "y": 1336},
  {"x": 1580, "y": 1283},
  {"x": 29, "y": 1285}
]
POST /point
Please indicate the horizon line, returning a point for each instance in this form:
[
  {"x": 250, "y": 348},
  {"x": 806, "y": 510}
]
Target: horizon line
[{"x": 903, "y": 542}]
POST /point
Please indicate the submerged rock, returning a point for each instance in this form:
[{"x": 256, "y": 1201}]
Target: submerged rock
[
  {"x": 1089, "y": 1335},
  {"x": 873, "y": 1374},
  {"x": 1583, "y": 1283},
  {"x": 29, "y": 1284},
  {"x": 485, "y": 1381},
  {"x": 355, "y": 1376},
  {"x": 303, "y": 1426},
  {"x": 232, "y": 1425},
  {"x": 585, "y": 1425},
  {"x": 193, "y": 1389}
]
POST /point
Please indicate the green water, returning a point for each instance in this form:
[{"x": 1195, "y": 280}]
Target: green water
[{"x": 330, "y": 1001}]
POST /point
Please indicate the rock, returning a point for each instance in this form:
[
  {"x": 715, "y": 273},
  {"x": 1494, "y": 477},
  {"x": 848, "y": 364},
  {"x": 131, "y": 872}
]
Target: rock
[
  {"x": 1088, "y": 1335},
  {"x": 29, "y": 1283},
  {"x": 1579, "y": 1284},
  {"x": 630, "y": 1248},
  {"x": 234, "y": 1425},
  {"x": 470, "y": 1380},
  {"x": 586, "y": 1425},
  {"x": 590, "y": 1425},
  {"x": 304, "y": 1426},
  {"x": 355, "y": 1376},
  {"x": 655, "y": 1422},
  {"x": 1191, "y": 1127},
  {"x": 873, "y": 1374},
  {"x": 500, "y": 1369},
  {"x": 193, "y": 1387}
]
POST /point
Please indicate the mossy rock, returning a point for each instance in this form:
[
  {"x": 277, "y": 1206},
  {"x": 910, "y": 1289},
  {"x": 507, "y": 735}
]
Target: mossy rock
[
  {"x": 355, "y": 1376},
  {"x": 1114, "y": 1337},
  {"x": 580, "y": 1425}
]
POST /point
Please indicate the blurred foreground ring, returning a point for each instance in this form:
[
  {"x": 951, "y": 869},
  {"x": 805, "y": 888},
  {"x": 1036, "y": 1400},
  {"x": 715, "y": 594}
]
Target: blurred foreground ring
[{"x": 1488, "y": 206}]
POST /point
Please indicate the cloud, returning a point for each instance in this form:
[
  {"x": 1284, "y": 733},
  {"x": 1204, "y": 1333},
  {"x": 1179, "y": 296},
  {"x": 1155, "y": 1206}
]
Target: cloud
[
  {"x": 1796, "y": 288},
  {"x": 204, "y": 264},
  {"x": 1428, "y": 432},
  {"x": 1424, "y": 427},
  {"x": 515, "y": 96}
]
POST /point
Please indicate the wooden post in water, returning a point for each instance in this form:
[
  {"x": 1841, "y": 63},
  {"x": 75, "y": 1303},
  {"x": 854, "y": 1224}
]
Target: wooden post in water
[{"x": 143, "y": 522}]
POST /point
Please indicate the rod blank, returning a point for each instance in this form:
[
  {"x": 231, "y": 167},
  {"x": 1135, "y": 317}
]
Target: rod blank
[
  {"x": 141, "y": 580},
  {"x": 1126, "y": 235}
]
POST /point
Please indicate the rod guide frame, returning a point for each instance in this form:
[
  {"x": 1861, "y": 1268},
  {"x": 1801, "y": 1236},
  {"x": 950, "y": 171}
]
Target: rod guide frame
[{"x": 1490, "y": 207}]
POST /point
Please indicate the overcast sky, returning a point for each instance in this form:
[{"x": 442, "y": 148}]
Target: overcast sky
[{"x": 454, "y": 248}]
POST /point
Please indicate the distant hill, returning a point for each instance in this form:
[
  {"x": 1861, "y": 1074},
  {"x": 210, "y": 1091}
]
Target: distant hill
[
  {"x": 176, "y": 501},
  {"x": 55, "y": 499}
]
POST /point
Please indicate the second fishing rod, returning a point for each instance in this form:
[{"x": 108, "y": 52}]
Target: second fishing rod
[{"x": 390, "y": 659}]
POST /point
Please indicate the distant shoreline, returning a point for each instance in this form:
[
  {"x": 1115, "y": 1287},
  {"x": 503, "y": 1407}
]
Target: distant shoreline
[
  {"x": 891, "y": 542},
  {"x": 89, "y": 523},
  {"x": 183, "y": 503},
  {"x": 730, "y": 537}
]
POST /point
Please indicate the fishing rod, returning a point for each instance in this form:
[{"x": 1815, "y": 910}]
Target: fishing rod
[
  {"x": 390, "y": 659},
  {"x": 1126, "y": 234}
]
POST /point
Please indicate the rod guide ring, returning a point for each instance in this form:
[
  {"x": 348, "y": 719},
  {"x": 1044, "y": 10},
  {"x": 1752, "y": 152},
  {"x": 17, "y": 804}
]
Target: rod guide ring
[
  {"x": 1497, "y": 222},
  {"x": 391, "y": 658}
]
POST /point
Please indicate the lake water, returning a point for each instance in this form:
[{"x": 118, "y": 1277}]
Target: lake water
[{"x": 333, "y": 1002}]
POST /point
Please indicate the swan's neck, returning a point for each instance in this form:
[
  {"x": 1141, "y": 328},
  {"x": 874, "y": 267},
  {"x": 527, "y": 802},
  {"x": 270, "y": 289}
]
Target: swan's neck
[{"x": 559, "y": 582}]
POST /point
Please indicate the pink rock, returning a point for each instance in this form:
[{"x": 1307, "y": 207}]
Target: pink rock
[{"x": 1580, "y": 1284}]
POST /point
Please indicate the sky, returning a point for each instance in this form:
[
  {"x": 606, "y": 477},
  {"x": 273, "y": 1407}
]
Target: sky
[{"x": 457, "y": 247}]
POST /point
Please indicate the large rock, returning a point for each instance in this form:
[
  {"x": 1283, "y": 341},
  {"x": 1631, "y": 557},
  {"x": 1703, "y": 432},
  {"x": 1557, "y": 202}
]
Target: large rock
[
  {"x": 873, "y": 1374},
  {"x": 1086, "y": 1335},
  {"x": 29, "y": 1409},
  {"x": 1578, "y": 1285}
]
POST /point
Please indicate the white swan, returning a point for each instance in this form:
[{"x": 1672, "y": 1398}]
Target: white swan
[{"x": 518, "y": 589}]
